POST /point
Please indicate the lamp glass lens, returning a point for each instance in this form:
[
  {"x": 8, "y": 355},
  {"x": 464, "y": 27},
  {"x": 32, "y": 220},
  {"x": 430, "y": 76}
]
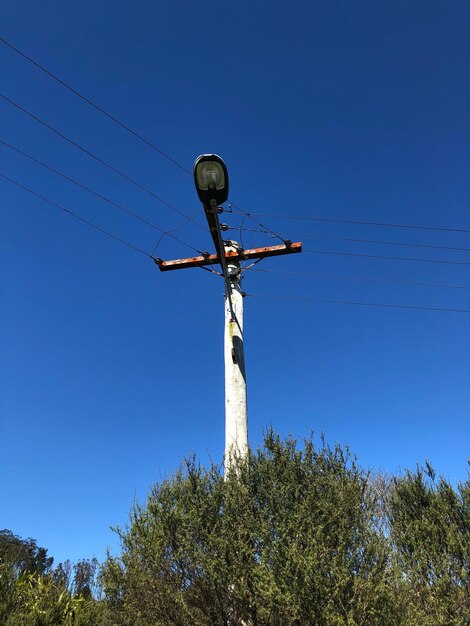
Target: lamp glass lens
[{"x": 210, "y": 175}]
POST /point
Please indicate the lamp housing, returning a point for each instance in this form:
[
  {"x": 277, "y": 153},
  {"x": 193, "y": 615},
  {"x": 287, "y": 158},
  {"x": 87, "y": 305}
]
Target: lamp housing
[{"x": 211, "y": 179}]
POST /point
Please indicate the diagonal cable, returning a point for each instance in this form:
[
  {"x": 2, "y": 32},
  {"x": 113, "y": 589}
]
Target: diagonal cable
[
  {"x": 73, "y": 214},
  {"x": 358, "y": 303},
  {"x": 355, "y": 240},
  {"x": 100, "y": 196},
  {"x": 391, "y": 258},
  {"x": 362, "y": 222},
  {"x": 388, "y": 281},
  {"x": 97, "y": 158},
  {"x": 94, "y": 105}
]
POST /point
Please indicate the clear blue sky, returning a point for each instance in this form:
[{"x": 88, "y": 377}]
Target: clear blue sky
[{"x": 112, "y": 372}]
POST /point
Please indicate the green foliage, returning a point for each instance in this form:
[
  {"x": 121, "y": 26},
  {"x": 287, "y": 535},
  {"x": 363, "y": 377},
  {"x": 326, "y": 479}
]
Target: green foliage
[
  {"x": 24, "y": 555},
  {"x": 296, "y": 535},
  {"x": 41, "y": 602},
  {"x": 17, "y": 555},
  {"x": 287, "y": 539},
  {"x": 80, "y": 578},
  {"x": 430, "y": 528},
  {"x": 34, "y": 594},
  {"x": 7, "y": 591}
]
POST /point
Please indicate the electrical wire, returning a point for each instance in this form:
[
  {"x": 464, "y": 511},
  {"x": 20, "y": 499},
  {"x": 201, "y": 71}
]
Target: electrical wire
[
  {"x": 241, "y": 230},
  {"x": 266, "y": 228},
  {"x": 104, "y": 198},
  {"x": 115, "y": 120},
  {"x": 363, "y": 278},
  {"x": 357, "y": 303},
  {"x": 124, "y": 126},
  {"x": 245, "y": 269},
  {"x": 363, "y": 222},
  {"x": 391, "y": 258},
  {"x": 78, "y": 217},
  {"x": 133, "y": 247},
  {"x": 95, "y": 106},
  {"x": 167, "y": 233},
  {"x": 374, "y": 241},
  {"x": 212, "y": 271},
  {"x": 164, "y": 154},
  {"x": 97, "y": 158}
]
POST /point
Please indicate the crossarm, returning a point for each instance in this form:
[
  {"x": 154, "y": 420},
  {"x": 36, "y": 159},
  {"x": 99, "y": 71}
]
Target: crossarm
[{"x": 239, "y": 255}]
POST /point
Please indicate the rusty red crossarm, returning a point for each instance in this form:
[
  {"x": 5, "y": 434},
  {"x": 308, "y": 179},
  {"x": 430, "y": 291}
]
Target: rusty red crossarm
[{"x": 241, "y": 255}]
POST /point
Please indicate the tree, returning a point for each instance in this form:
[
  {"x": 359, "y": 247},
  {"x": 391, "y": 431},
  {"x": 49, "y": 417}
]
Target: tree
[
  {"x": 34, "y": 594},
  {"x": 296, "y": 535},
  {"x": 17, "y": 555},
  {"x": 288, "y": 539},
  {"x": 24, "y": 555},
  {"x": 429, "y": 525}
]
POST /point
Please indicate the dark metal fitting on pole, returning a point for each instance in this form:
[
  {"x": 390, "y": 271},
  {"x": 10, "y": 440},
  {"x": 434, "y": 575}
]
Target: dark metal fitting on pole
[
  {"x": 234, "y": 355},
  {"x": 220, "y": 209},
  {"x": 205, "y": 254},
  {"x": 241, "y": 252},
  {"x": 224, "y": 227},
  {"x": 243, "y": 293},
  {"x": 158, "y": 261},
  {"x": 287, "y": 243}
]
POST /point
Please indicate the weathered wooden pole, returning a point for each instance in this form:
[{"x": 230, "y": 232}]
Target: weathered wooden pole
[{"x": 236, "y": 420}]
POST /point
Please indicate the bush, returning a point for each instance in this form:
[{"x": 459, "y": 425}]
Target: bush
[{"x": 289, "y": 538}]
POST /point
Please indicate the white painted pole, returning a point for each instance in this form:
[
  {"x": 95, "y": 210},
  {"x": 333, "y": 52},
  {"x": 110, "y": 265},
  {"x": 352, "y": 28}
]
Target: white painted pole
[{"x": 236, "y": 422}]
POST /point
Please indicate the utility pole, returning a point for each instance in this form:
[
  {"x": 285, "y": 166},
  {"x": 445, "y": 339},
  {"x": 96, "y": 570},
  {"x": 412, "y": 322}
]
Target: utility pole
[
  {"x": 211, "y": 178},
  {"x": 236, "y": 418}
]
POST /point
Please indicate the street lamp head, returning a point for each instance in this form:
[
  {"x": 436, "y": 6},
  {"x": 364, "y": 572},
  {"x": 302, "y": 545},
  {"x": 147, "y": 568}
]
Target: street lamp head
[{"x": 211, "y": 179}]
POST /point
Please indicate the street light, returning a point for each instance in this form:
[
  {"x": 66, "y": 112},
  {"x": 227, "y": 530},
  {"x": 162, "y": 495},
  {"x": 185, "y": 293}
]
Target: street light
[{"x": 211, "y": 179}]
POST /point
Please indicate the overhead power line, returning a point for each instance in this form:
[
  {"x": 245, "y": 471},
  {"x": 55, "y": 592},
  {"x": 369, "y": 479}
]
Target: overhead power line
[
  {"x": 97, "y": 158},
  {"x": 265, "y": 228},
  {"x": 147, "y": 142},
  {"x": 122, "y": 125},
  {"x": 362, "y": 278},
  {"x": 353, "y": 239},
  {"x": 100, "y": 196},
  {"x": 390, "y": 258},
  {"x": 118, "y": 122},
  {"x": 78, "y": 217},
  {"x": 94, "y": 105},
  {"x": 357, "y": 303},
  {"x": 363, "y": 222}
]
